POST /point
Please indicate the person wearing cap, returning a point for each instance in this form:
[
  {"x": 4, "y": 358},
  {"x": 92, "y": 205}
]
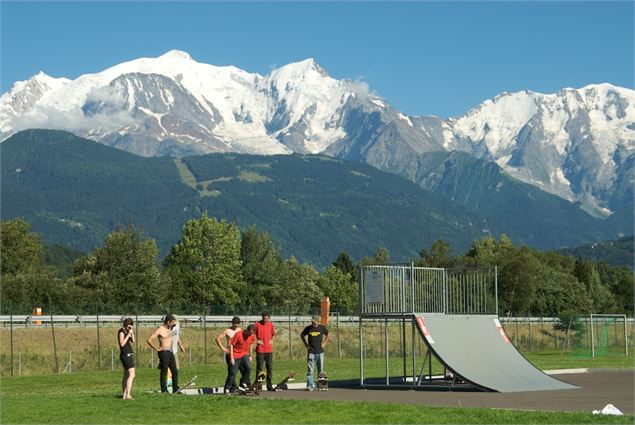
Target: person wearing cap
[
  {"x": 227, "y": 335},
  {"x": 166, "y": 356},
  {"x": 265, "y": 332},
  {"x": 176, "y": 341},
  {"x": 315, "y": 337}
]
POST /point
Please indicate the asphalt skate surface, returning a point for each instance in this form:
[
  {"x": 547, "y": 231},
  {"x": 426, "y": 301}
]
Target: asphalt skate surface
[{"x": 596, "y": 389}]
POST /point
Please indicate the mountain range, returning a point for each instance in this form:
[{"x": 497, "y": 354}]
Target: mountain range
[{"x": 577, "y": 144}]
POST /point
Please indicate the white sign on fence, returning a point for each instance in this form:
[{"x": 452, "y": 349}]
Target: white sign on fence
[{"x": 374, "y": 286}]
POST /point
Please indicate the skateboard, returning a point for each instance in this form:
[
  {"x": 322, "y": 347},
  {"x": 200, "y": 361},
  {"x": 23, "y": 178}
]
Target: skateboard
[
  {"x": 323, "y": 382},
  {"x": 255, "y": 387},
  {"x": 282, "y": 385},
  {"x": 187, "y": 385}
]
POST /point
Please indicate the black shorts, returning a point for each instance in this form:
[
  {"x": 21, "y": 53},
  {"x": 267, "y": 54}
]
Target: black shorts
[{"x": 127, "y": 360}]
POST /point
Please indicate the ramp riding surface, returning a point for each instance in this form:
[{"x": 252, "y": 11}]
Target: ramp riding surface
[{"x": 477, "y": 348}]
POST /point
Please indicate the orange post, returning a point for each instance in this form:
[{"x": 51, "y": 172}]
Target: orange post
[
  {"x": 325, "y": 309},
  {"x": 37, "y": 311}
]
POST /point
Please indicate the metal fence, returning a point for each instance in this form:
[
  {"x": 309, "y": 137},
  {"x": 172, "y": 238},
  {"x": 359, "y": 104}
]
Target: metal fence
[
  {"x": 75, "y": 343},
  {"x": 399, "y": 289}
]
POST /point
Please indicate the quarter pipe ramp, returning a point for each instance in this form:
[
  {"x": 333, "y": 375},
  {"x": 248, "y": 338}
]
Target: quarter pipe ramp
[{"x": 476, "y": 348}]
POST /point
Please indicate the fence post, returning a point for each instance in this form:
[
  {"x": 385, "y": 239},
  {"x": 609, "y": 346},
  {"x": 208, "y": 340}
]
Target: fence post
[
  {"x": 337, "y": 325},
  {"x": 53, "y": 332},
  {"x": 496, "y": 288},
  {"x": 542, "y": 332},
  {"x": 136, "y": 333},
  {"x": 289, "y": 327},
  {"x": 205, "y": 332},
  {"x": 11, "y": 334},
  {"x": 529, "y": 324},
  {"x": 98, "y": 348}
]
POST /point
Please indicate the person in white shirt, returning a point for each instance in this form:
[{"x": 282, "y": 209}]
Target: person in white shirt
[{"x": 176, "y": 341}]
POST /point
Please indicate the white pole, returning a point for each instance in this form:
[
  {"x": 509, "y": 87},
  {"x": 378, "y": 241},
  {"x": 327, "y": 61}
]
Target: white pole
[
  {"x": 20, "y": 362},
  {"x": 190, "y": 347},
  {"x": 112, "y": 359},
  {"x": 70, "y": 361}
]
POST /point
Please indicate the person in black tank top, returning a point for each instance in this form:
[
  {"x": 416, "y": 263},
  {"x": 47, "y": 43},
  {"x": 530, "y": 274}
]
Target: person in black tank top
[{"x": 126, "y": 337}]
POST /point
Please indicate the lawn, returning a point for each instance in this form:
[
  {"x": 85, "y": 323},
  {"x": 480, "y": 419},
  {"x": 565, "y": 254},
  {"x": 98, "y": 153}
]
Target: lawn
[{"x": 93, "y": 398}]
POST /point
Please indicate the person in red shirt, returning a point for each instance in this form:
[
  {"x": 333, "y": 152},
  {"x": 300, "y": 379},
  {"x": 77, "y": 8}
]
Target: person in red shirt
[
  {"x": 264, "y": 350},
  {"x": 240, "y": 356}
]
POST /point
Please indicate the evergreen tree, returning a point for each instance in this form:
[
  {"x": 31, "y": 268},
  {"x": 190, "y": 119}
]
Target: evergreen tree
[{"x": 344, "y": 264}]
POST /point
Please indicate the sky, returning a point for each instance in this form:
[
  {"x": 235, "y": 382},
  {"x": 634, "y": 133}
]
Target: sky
[{"x": 422, "y": 57}]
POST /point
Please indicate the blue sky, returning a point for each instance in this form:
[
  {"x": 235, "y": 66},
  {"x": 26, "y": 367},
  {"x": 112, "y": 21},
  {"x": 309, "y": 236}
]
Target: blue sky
[{"x": 422, "y": 57}]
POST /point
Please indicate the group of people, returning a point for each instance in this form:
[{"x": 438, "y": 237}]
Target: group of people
[{"x": 237, "y": 345}]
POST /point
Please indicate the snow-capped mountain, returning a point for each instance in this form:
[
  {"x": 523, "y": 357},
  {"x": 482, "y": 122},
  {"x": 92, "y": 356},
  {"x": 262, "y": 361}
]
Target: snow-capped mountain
[
  {"x": 578, "y": 143},
  {"x": 175, "y": 105}
]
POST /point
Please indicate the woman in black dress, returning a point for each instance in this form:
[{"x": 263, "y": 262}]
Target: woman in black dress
[{"x": 126, "y": 337}]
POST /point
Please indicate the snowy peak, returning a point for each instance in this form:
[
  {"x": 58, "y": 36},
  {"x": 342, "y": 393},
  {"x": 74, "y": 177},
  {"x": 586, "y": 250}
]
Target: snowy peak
[
  {"x": 307, "y": 68},
  {"x": 573, "y": 143},
  {"x": 176, "y": 54},
  {"x": 293, "y": 108}
]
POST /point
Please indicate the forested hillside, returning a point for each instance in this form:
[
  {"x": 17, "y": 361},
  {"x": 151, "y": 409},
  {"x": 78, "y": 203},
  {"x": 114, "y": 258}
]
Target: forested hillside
[
  {"x": 619, "y": 252},
  {"x": 74, "y": 192}
]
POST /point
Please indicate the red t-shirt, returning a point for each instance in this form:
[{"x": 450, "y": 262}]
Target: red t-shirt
[
  {"x": 241, "y": 344},
  {"x": 265, "y": 333}
]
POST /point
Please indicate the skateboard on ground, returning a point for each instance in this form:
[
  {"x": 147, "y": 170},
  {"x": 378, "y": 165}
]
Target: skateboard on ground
[
  {"x": 255, "y": 387},
  {"x": 187, "y": 385},
  {"x": 282, "y": 385},
  {"x": 323, "y": 381}
]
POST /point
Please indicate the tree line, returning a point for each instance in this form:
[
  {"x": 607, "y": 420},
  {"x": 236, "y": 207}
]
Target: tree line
[{"x": 214, "y": 263}]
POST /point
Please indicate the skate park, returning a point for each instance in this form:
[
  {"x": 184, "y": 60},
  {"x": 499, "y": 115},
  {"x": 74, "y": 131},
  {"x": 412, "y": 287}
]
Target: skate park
[{"x": 455, "y": 314}]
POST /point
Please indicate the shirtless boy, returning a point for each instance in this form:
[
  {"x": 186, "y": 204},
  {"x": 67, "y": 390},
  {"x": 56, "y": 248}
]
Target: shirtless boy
[
  {"x": 166, "y": 356},
  {"x": 227, "y": 335}
]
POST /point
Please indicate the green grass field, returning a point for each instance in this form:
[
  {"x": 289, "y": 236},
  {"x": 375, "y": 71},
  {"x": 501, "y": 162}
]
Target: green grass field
[{"x": 94, "y": 398}]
